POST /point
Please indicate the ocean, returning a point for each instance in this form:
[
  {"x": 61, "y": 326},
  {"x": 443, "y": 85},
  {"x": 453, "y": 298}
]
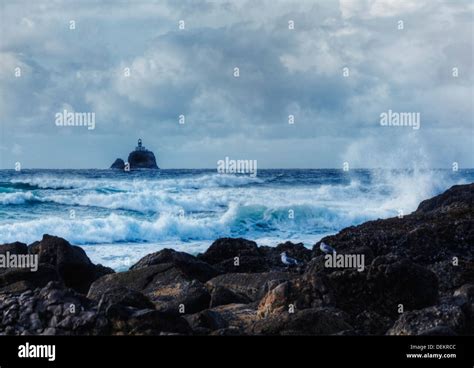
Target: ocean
[{"x": 118, "y": 217}]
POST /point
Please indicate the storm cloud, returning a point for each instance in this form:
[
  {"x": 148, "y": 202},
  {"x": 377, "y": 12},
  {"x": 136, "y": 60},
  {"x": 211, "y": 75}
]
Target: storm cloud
[{"x": 341, "y": 65}]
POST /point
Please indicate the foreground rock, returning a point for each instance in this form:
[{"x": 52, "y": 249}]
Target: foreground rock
[
  {"x": 58, "y": 261},
  {"x": 417, "y": 279},
  {"x": 174, "y": 281},
  {"x": 229, "y": 255},
  {"x": 439, "y": 235}
]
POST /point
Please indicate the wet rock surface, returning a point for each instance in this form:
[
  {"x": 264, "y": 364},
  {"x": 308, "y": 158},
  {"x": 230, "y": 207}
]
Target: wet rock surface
[{"x": 418, "y": 279}]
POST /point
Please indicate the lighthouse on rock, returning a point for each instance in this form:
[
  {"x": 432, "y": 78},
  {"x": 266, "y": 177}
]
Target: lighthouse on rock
[{"x": 141, "y": 158}]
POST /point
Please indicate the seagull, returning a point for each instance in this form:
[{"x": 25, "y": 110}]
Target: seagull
[
  {"x": 288, "y": 261},
  {"x": 326, "y": 248}
]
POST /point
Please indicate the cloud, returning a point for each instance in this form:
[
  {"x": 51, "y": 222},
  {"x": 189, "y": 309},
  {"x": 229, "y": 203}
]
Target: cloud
[{"x": 283, "y": 72}]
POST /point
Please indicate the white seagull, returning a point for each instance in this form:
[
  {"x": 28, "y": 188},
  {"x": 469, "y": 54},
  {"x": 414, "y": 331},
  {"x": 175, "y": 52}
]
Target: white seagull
[
  {"x": 288, "y": 260},
  {"x": 326, "y": 248}
]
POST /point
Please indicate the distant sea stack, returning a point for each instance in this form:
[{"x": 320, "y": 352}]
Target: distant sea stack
[{"x": 140, "y": 158}]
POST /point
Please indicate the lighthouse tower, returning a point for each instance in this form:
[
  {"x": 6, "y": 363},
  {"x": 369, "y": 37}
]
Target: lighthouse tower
[{"x": 140, "y": 146}]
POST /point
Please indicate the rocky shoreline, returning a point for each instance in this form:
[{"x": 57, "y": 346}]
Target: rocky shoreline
[{"x": 418, "y": 279}]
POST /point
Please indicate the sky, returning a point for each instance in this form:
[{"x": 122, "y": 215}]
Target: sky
[{"x": 334, "y": 66}]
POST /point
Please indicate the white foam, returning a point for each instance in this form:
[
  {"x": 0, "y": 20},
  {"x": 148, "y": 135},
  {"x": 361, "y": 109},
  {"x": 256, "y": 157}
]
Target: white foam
[{"x": 16, "y": 198}]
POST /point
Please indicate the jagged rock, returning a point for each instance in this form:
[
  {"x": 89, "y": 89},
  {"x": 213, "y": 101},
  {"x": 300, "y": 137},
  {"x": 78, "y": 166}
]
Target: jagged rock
[
  {"x": 300, "y": 293},
  {"x": 221, "y": 296},
  {"x": 118, "y": 164},
  {"x": 313, "y": 321},
  {"x": 71, "y": 262},
  {"x": 235, "y": 318},
  {"x": 273, "y": 254},
  {"x": 456, "y": 198},
  {"x": 167, "y": 285},
  {"x": 232, "y": 255},
  {"x": 14, "y": 248},
  {"x": 424, "y": 321},
  {"x": 120, "y": 301},
  {"x": 142, "y": 160},
  {"x": 192, "y": 266},
  {"x": 149, "y": 322},
  {"x": 249, "y": 285},
  {"x": 393, "y": 281},
  {"x": 38, "y": 313},
  {"x": 434, "y": 236},
  {"x": 18, "y": 280}
]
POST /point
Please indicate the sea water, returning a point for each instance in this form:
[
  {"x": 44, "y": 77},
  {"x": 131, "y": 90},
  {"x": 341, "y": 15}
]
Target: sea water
[{"x": 118, "y": 217}]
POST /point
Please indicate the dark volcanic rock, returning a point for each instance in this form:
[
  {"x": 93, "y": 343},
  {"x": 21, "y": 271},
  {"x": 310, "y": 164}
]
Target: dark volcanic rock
[
  {"x": 456, "y": 198},
  {"x": 118, "y": 300},
  {"x": 149, "y": 322},
  {"x": 252, "y": 286},
  {"x": 71, "y": 262},
  {"x": 231, "y": 255},
  {"x": 440, "y": 319},
  {"x": 234, "y": 255},
  {"x": 273, "y": 254},
  {"x": 192, "y": 266},
  {"x": 230, "y": 319},
  {"x": 167, "y": 285},
  {"x": 52, "y": 310},
  {"x": 118, "y": 164},
  {"x": 19, "y": 280},
  {"x": 439, "y": 236},
  {"x": 315, "y": 321},
  {"x": 392, "y": 282},
  {"x": 14, "y": 248},
  {"x": 142, "y": 160},
  {"x": 221, "y": 296},
  {"x": 55, "y": 310}
]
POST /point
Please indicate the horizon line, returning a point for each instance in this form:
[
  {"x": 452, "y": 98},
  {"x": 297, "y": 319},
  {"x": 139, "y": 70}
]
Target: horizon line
[{"x": 264, "y": 168}]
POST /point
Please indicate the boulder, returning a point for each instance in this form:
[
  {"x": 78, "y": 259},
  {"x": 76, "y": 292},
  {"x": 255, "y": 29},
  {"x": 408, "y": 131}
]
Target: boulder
[
  {"x": 14, "y": 248},
  {"x": 298, "y": 294},
  {"x": 456, "y": 198},
  {"x": 234, "y": 319},
  {"x": 234, "y": 255},
  {"x": 118, "y": 164},
  {"x": 149, "y": 322},
  {"x": 440, "y": 319},
  {"x": 393, "y": 281},
  {"x": 118, "y": 301},
  {"x": 193, "y": 267},
  {"x": 19, "y": 280},
  {"x": 313, "y": 321},
  {"x": 273, "y": 254},
  {"x": 167, "y": 285},
  {"x": 221, "y": 296},
  {"x": 142, "y": 160},
  {"x": 251, "y": 286},
  {"x": 438, "y": 236},
  {"x": 51, "y": 310},
  {"x": 71, "y": 262}
]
